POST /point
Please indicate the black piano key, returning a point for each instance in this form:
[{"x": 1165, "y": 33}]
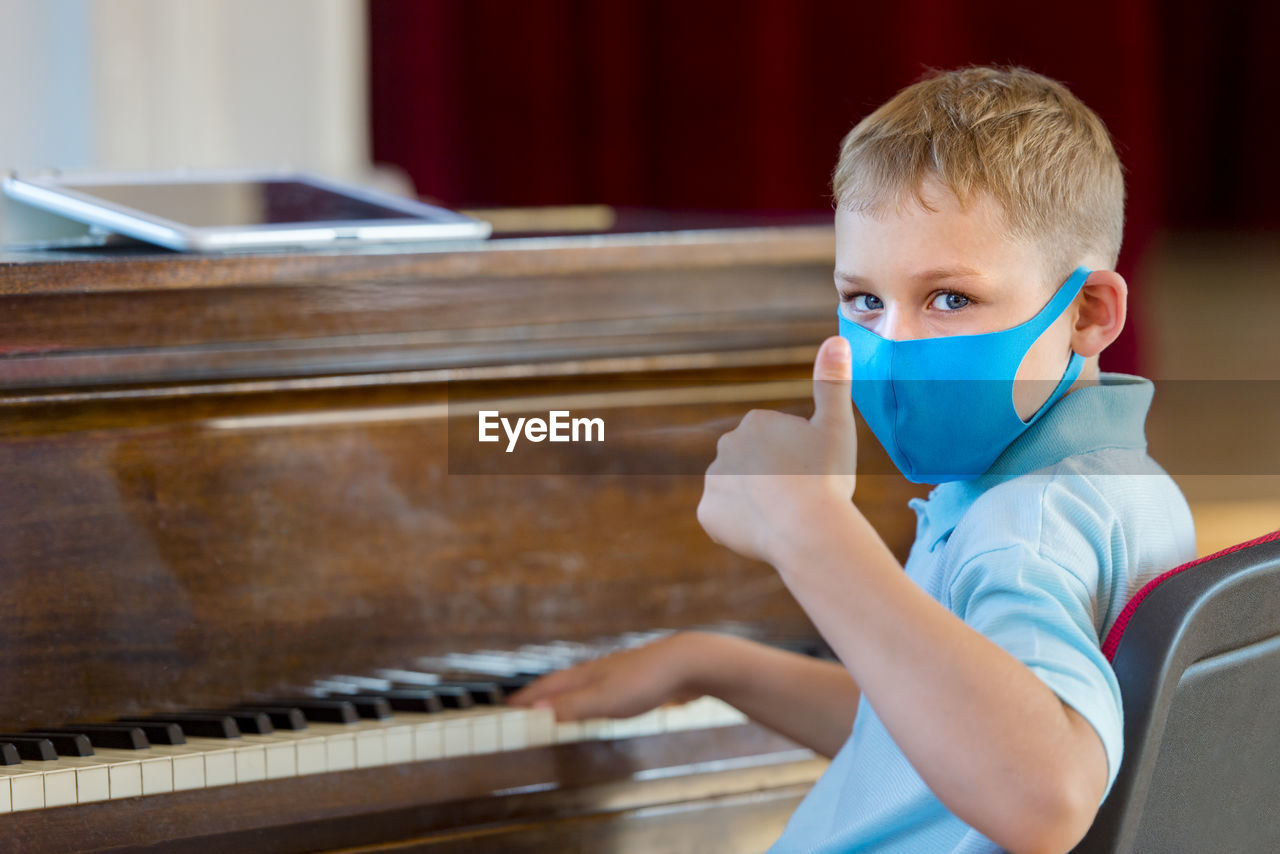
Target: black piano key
[
  {"x": 203, "y": 726},
  {"x": 9, "y": 754},
  {"x": 369, "y": 706},
  {"x": 317, "y": 709},
  {"x": 253, "y": 721},
  {"x": 412, "y": 700},
  {"x": 32, "y": 747},
  {"x": 66, "y": 743},
  {"x": 281, "y": 717},
  {"x": 482, "y": 693},
  {"x": 120, "y": 736},
  {"x": 453, "y": 697}
]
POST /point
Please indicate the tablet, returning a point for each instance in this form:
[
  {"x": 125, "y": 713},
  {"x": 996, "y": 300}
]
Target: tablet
[{"x": 222, "y": 211}]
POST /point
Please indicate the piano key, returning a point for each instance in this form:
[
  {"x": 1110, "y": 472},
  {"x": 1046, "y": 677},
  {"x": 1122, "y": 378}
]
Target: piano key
[
  {"x": 280, "y": 755},
  {"x": 454, "y": 697},
  {"x": 75, "y": 779},
  {"x": 66, "y": 743},
  {"x": 59, "y": 786},
  {"x": 120, "y": 778},
  {"x": 409, "y": 700},
  {"x": 6, "y": 796},
  {"x": 568, "y": 731},
  {"x": 408, "y": 677},
  {"x": 368, "y": 706},
  {"x": 482, "y": 693},
  {"x": 186, "y": 763},
  {"x": 120, "y": 736},
  {"x": 32, "y": 747},
  {"x": 26, "y": 788},
  {"x": 282, "y": 717},
  {"x": 365, "y": 683},
  {"x": 253, "y": 721},
  {"x": 9, "y": 755},
  {"x": 319, "y": 710},
  {"x": 192, "y": 723}
]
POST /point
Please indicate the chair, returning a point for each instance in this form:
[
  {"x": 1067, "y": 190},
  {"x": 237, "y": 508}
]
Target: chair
[{"x": 1197, "y": 654}]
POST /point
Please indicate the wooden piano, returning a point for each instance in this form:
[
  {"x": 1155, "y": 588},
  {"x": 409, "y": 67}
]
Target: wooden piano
[{"x": 225, "y": 478}]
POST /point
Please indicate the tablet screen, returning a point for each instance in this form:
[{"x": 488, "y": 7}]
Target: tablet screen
[{"x": 210, "y": 205}]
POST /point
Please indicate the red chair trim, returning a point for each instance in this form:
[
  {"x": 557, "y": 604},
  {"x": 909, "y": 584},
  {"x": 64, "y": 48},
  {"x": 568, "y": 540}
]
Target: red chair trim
[{"x": 1117, "y": 629}]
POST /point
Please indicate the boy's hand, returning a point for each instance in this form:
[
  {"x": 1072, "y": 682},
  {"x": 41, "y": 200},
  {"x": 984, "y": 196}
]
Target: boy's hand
[
  {"x": 808, "y": 463},
  {"x": 620, "y": 685}
]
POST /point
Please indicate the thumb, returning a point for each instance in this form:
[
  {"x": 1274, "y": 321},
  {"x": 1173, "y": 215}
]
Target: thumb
[{"x": 832, "y": 375}]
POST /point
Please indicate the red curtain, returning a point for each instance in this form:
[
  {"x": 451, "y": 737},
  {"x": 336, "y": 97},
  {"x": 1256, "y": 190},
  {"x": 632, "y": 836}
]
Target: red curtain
[{"x": 741, "y": 104}]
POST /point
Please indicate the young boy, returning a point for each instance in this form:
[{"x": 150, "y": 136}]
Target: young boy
[{"x": 978, "y": 219}]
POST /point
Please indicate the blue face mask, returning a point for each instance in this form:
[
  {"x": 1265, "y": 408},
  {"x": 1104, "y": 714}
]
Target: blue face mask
[{"x": 943, "y": 407}]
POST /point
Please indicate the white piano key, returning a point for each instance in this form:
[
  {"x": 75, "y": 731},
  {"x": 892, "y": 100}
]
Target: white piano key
[
  {"x": 513, "y": 728},
  {"x": 59, "y": 787},
  {"x": 567, "y": 732},
  {"x": 340, "y": 752},
  {"x": 399, "y": 743},
  {"x": 157, "y": 776},
  {"x": 651, "y": 722},
  {"x": 219, "y": 767},
  {"x": 6, "y": 797},
  {"x": 251, "y": 764},
  {"x": 282, "y": 760},
  {"x": 26, "y": 788},
  {"x": 719, "y": 713},
  {"x": 280, "y": 754},
  {"x": 457, "y": 736},
  {"x": 683, "y": 716},
  {"x": 428, "y": 740},
  {"x": 179, "y": 766},
  {"x": 313, "y": 757},
  {"x": 125, "y": 779},
  {"x": 485, "y": 732},
  {"x": 220, "y": 759},
  {"x": 92, "y": 778},
  {"x": 371, "y": 749},
  {"x": 540, "y": 727},
  {"x": 596, "y": 728}
]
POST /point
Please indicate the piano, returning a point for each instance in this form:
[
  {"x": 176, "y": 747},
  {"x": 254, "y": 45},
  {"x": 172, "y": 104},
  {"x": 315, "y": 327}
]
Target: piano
[{"x": 243, "y": 504}]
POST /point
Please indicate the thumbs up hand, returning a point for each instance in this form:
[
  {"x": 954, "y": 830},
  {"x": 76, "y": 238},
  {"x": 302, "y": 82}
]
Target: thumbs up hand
[{"x": 775, "y": 473}]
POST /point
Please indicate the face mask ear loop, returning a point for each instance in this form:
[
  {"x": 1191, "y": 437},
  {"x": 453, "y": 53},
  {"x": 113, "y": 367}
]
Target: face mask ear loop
[
  {"x": 1074, "y": 366},
  {"x": 1052, "y": 310}
]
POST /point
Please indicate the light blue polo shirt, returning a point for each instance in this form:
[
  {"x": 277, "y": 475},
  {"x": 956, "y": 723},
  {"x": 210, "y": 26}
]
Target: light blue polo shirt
[{"x": 1039, "y": 554}]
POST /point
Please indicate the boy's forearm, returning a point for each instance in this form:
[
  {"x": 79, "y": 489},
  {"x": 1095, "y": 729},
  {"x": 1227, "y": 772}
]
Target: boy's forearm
[
  {"x": 992, "y": 741},
  {"x": 810, "y": 701}
]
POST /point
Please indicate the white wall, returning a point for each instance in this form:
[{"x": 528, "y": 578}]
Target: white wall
[{"x": 155, "y": 84}]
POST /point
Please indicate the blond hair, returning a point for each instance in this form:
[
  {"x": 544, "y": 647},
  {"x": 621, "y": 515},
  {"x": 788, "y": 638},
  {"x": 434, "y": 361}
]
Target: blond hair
[{"x": 1018, "y": 136}]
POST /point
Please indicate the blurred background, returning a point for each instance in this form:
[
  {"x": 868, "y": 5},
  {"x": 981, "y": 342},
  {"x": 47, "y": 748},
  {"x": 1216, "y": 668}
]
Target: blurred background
[{"x": 728, "y": 106}]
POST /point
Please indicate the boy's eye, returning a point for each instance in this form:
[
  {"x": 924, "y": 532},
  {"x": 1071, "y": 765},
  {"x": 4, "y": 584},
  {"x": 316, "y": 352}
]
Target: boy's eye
[
  {"x": 950, "y": 301},
  {"x": 864, "y": 302}
]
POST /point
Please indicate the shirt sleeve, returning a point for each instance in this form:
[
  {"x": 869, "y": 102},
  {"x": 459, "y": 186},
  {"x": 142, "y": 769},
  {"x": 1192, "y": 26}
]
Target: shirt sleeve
[{"x": 1042, "y": 615}]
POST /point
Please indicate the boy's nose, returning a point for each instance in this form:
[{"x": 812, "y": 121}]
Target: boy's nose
[{"x": 897, "y": 325}]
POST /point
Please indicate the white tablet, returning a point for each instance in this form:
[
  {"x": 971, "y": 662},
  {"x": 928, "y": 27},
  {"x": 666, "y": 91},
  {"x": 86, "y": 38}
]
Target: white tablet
[{"x": 220, "y": 211}]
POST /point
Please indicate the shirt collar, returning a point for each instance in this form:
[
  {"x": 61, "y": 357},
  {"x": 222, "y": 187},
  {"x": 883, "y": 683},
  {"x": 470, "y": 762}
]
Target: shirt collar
[{"x": 1111, "y": 414}]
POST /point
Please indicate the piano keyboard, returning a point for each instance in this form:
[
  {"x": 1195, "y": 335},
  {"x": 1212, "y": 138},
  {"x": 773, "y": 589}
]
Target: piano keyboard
[{"x": 451, "y": 707}]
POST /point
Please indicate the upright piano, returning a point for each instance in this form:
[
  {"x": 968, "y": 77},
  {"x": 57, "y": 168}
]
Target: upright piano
[{"x": 227, "y": 480}]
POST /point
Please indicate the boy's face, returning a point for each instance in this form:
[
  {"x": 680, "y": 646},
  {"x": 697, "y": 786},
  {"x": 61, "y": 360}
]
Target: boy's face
[{"x": 914, "y": 273}]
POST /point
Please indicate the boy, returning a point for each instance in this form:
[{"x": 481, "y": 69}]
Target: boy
[{"x": 971, "y": 709}]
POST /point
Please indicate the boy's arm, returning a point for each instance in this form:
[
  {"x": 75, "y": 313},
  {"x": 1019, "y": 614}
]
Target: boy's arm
[
  {"x": 810, "y": 701},
  {"x": 992, "y": 741}
]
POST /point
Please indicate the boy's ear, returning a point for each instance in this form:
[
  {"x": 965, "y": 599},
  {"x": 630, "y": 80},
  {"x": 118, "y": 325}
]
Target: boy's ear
[{"x": 1101, "y": 312}]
